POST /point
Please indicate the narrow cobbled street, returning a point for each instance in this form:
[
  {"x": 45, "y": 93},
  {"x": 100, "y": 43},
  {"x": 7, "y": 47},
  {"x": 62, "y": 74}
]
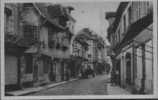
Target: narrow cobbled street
[
  {"x": 97, "y": 86},
  {"x": 50, "y": 47}
]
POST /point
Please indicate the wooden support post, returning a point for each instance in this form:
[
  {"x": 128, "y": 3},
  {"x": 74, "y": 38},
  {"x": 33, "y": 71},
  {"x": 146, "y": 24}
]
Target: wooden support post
[
  {"x": 142, "y": 90},
  {"x": 134, "y": 90}
]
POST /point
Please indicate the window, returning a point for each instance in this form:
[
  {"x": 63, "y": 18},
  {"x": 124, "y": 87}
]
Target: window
[
  {"x": 119, "y": 35},
  {"x": 75, "y": 49},
  {"x": 129, "y": 15},
  {"x": 51, "y": 38},
  {"x": 149, "y": 7},
  {"x": 89, "y": 56},
  {"x": 124, "y": 24},
  {"x": 43, "y": 45},
  {"x": 31, "y": 32},
  {"x": 9, "y": 21}
]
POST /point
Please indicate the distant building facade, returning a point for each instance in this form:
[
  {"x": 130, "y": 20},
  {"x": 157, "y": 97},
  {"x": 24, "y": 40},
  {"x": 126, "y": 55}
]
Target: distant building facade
[
  {"x": 79, "y": 55},
  {"x": 130, "y": 34},
  {"x": 91, "y": 49}
]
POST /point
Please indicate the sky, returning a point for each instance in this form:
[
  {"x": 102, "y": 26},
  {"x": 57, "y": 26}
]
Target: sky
[{"x": 92, "y": 15}]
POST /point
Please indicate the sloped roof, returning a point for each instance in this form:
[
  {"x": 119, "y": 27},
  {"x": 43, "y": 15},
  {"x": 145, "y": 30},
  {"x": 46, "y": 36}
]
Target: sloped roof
[
  {"x": 135, "y": 29},
  {"x": 42, "y": 9}
]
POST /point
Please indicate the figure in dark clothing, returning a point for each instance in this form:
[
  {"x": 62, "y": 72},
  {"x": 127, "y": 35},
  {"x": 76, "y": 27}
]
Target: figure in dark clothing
[
  {"x": 81, "y": 73},
  {"x": 113, "y": 77},
  {"x": 90, "y": 71}
]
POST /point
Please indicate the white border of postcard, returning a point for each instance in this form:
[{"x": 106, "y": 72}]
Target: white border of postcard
[{"x": 154, "y": 95}]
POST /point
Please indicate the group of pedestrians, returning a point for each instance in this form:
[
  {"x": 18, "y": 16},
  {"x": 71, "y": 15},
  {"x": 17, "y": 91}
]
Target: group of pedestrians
[
  {"x": 111, "y": 72},
  {"x": 113, "y": 75},
  {"x": 85, "y": 73}
]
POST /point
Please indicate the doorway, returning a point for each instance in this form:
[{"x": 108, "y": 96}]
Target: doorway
[{"x": 128, "y": 68}]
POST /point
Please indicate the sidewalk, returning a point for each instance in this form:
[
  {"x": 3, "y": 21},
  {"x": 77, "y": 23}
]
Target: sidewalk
[
  {"x": 116, "y": 90},
  {"x": 35, "y": 89}
]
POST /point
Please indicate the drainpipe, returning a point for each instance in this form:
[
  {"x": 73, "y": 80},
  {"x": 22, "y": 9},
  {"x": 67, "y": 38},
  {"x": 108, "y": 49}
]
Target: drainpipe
[
  {"x": 18, "y": 64},
  {"x": 20, "y": 72},
  {"x": 142, "y": 89}
]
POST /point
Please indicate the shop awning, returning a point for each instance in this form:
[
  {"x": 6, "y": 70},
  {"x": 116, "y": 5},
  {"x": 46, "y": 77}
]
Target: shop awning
[
  {"x": 32, "y": 49},
  {"x": 135, "y": 29},
  {"x": 46, "y": 53}
]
